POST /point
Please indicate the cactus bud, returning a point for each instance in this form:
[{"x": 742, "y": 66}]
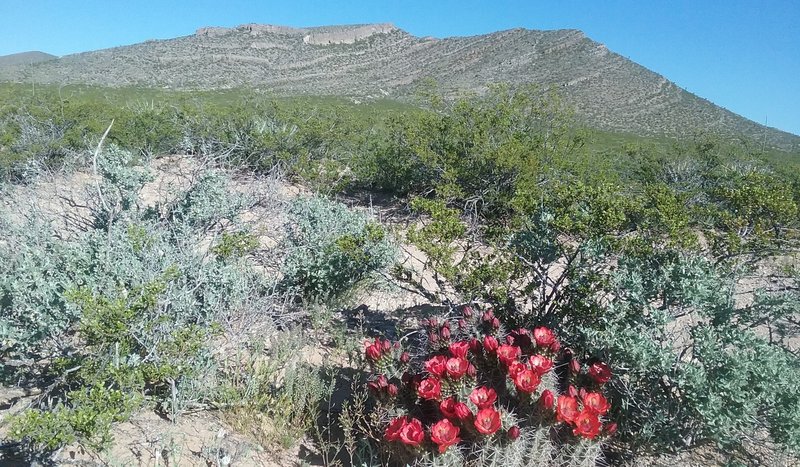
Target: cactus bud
[
  {"x": 513, "y": 432},
  {"x": 572, "y": 391},
  {"x": 405, "y": 357},
  {"x": 382, "y": 381},
  {"x": 490, "y": 344},
  {"x": 474, "y": 345},
  {"x": 547, "y": 399}
]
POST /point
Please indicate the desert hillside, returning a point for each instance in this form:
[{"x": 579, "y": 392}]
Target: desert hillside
[{"x": 607, "y": 90}]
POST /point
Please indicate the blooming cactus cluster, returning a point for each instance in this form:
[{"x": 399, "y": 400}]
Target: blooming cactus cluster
[{"x": 469, "y": 382}]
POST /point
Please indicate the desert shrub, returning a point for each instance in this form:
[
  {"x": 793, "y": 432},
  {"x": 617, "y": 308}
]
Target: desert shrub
[
  {"x": 484, "y": 152},
  {"x": 708, "y": 380},
  {"x": 129, "y": 306},
  {"x": 469, "y": 392},
  {"x": 87, "y": 415},
  {"x": 330, "y": 249},
  {"x": 235, "y": 245},
  {"x": 206, "y": 203}
]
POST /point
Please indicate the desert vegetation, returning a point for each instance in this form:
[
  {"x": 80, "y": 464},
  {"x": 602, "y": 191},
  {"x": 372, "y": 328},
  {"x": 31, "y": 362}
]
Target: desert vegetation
[{"x": 474, "y": 281}]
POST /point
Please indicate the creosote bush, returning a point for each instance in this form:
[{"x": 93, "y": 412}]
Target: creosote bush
[{"x": 468, "y": 392}]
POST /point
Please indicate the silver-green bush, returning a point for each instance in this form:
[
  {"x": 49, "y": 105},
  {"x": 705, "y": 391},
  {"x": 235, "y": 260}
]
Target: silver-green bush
[{"x": 330, "y": 249}]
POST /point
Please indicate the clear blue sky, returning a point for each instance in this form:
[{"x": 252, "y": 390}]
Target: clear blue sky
[{"x": 742, "y": 55}]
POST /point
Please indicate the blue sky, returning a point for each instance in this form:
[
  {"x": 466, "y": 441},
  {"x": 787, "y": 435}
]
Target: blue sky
[{"x": 742, "y": 55}]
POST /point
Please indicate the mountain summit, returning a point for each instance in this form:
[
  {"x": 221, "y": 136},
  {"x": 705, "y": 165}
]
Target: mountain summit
[{"x": 607, "y": 90}]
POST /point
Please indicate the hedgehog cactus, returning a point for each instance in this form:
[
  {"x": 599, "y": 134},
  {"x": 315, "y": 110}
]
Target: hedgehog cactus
[{"x": 468, "y": 392}]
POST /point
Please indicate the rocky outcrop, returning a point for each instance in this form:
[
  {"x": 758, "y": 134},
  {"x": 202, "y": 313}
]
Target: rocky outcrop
[
  {"x": 212, "y": 32},
  {"x": 346, "y": 35}
]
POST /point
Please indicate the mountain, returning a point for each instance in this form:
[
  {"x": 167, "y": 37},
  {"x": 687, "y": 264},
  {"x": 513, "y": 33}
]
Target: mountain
[
  {"x": 25, "y": 58},
  {"x": 607, "y": 90}
]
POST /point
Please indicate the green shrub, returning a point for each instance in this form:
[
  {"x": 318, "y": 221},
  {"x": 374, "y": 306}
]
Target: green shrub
[
  {"x": 330, "y": 249},
  {"x": 87, "y": 415}
]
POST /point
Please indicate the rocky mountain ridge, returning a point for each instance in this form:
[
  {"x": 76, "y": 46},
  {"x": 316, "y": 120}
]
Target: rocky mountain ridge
[{"x": 607, "y": 90}]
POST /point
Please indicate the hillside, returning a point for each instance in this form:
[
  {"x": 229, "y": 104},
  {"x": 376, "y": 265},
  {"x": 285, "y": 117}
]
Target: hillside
[
  {"x": 25, "y": 58},
  {"x": 608, "y": 91}
]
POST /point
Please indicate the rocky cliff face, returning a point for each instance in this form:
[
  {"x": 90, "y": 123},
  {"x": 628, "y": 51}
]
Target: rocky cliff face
[{"x": 607, "y": 90}]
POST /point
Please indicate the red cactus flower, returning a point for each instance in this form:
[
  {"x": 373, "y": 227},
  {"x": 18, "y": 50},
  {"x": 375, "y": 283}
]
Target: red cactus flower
[
  {"x": 488, "y": 316},
  {"x": 483, "y": 397},
  {"x": 490, "y": 344},
  {"x": 587, "y": 424},
  {"x": 515, "y": 368},
  {"x": 429, "y": 389},
  {"x": 457, "y": 367},
  {"x": 566, "y": 409},
  {"x": 474, "y": 344},
  {"x": 374, "y": 350},
  {"x": 459, "y": 349},
  {"x": 527, "y": 381},
  {"x": 445, "y": 434},
  {"x": 467, "y": 311},
  {"x": 436, "y": 366},
  {"x": 462, "y": 412},
  {"x": 611, "y": 428},
  {"x": 487, "y": 421},
  {"x": 596, "y": 402},
  {"x": 412, "y": 433},
  {"x": 600, "y": 372},
  {"x": 508, "y": 353},
  {"x": 572, "y": 391},
  {"x": 392, "y": 390},
  {"x": 405, "y": 357},
  {"x": 448, "y": 408},
  {"x": 540, "y": 364},
  {"x": 513, "y": 432},
  {"x": 546, "y": 399},
  {"x": 544, "y": 336},
  {"x": 472, "y": 371},
  {"x": 392, "y": 432}
]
